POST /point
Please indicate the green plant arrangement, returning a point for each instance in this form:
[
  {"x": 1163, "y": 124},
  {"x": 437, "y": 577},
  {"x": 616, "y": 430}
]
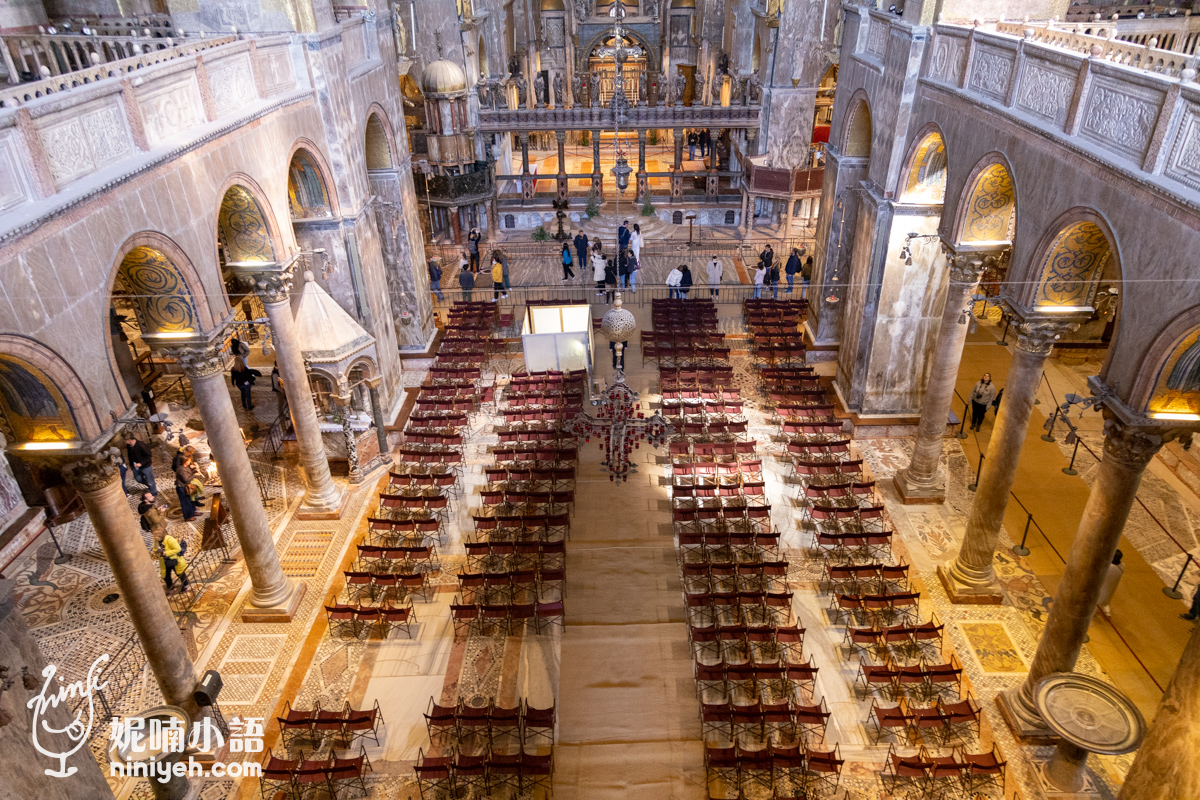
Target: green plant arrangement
[
  {"x": 585, "y": 139},
  {"x": 593, "y": 206},
  {"x": 647, "y": 208},
  {"x": 652, "y": 137},
  {"x": 539, "y": 234}
]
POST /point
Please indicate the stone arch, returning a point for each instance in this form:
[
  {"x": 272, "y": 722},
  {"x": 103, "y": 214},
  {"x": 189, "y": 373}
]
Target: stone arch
[
  {"x": 987, "y": 209},
  {"x": 1170, "y": 383},
  {"x": 42, "y": 384},
  {"x": 245, "y": 222},
  {"x": 161, "y": 274},
  {"x": 584, "y": 53},
  {"x": 923, "y": 180},
  {"x": 380, "y": 145},
  {"x": 856, "y": 136},
  {"x": 1070, "y": 260},
  {"x": 312, "y": 175}
]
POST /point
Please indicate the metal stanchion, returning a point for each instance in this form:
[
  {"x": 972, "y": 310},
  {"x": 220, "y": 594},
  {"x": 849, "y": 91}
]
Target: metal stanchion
[
  {"x": 973, "y": 486},
  {"x": 1004, "y": 339},
  {"x": 966, "y": 408},
  {"x": 1070, "y": 469},
  {"x": 1048, "y": 436},
  {"x": 1174, "y": 592},
  {"x": 1021, "y": 549}
]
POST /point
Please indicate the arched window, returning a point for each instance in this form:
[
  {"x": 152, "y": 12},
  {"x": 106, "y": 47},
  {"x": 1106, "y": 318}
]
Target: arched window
[
  {"x": 509, "y": 221},
  {"x": 729, "y": 217},
  {"x": 677, "y": 218},
  {"x": 306, "y": 188}
]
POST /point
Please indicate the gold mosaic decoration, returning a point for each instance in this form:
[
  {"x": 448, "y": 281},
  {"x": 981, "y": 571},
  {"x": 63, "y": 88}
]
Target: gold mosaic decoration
[
  {"x": 243, "y": 229},
  {"x": 306, "y": 188},
  {"x": 994, "y": 648},
  {"x": 1075, "y": 262},
  {"x": 163, "y": 301},
  {"x": 1177, "y": 389},
  {"x": 991, "y": 209},
  {"x": 927, "y": 176},
  {"x": 34, "y": 409}
]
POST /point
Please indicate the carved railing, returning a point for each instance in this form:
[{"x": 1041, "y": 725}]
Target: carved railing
[
  {"x": 455, "y": 187},
  {"x": 600, "y": 118},
  {"x": 1151, "y": 59},
  {"x": 1083, "y": 11},
  {"x": 30, "y": 57},
  {"x": 157, "y": 25},
  {"x": 16, "y": 95}
]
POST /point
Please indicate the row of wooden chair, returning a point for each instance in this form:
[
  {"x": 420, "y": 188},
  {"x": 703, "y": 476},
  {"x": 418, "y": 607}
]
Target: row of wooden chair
[
  {"x": 922, "y": 679},
  {"x": 782, "y": 773},
  {"x": 345, "y": 725},
  {"x": 329, "y": 777},
  {"x": 787, "y": 721},
  {"x": 505, "y": 616},
  {"x": 958, "y": 775},
  {"x": 348, "y": 619}
]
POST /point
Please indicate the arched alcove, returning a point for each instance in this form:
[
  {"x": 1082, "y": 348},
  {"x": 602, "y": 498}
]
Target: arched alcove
[
  {"x": 988, "y": 210},
  {"x": 857, "y": 141},
  {"x": 378, "y": 149},
  {"x": 1074, "y": 260},
  {"x": 924, "y": 182}
]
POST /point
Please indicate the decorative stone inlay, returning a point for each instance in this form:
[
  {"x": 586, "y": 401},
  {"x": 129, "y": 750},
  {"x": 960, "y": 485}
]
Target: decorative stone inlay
[
  {"x": 172, "y": 109},
  {"x": 1039, "y": 337},
  {"x": 1120, "y": 118},
  {"x": 13, "y": 188},
  {"x": 94, "y": 472},
  {"x": 232, "y": 84},
  {"x": 949, "y": 55},
  {"x": 1184, "y": 165},
  {"x": 1045, "y": 92},
  {"x": 991, "y": 73}
]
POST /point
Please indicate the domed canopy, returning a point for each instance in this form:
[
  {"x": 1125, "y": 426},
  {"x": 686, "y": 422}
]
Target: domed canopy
[{"x": 443, "y": 77}]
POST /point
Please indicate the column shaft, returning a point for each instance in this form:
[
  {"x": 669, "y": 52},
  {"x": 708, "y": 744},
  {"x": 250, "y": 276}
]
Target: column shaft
[
  {"x": 595, "y": 151},
  {"x": 1126, "y": 454},
  {"x": 973, "y": 567},
  {"x": 320, "y": 492},
  {"x": 1166, "y": 767},
  {"x": 678, "y": 148},
  {"x": 270, "y": 585},
  {"x": 380, "y": 421},
  {"x": 641, "y": 149},
  {"x": 561, "y": 136},
  {"x": 920, "y": 479},
  {"x": 137, "y": 576}
]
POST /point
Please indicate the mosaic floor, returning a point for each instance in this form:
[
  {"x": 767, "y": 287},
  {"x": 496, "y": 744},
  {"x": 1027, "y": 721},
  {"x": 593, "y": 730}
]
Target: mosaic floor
[{"x": 301, "y": 662}]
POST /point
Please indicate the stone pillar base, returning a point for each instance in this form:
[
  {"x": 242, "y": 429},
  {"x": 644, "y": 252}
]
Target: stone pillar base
[
  {"x": 371, "y": 471},
  {"x": 911, "y": 494},
  {"x": 1023, "y": 726},
  {"x": 281, "y": 612},
  {"x": 324, "y": 511},
  {"x": 987, "y": 595}
]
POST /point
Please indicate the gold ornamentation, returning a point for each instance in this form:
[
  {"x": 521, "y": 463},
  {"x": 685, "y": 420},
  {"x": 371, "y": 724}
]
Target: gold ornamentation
[
  {"x": 163, "y": 300},
  {"x": 1073, "y": 266},
  {"x": 990, "y": 207}
]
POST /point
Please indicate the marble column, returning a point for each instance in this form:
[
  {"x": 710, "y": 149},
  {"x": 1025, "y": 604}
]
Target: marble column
[
  {"x": 561, "y": 137},
  {"x": 456, "y": 236},
  {"x": 678, "y": 135},
  {"x": 972, "y": 577},
  {"x": 1166, "y": 767},
  {"x": 273, "y": 595},
  {"x": 712, "y": 184},
  {"x": 321, "y": 495},
  {"x": 920, "y": 482},
  {"x": 351, "y": 445},
  {"x": 643, "y": 182},
  {"x": 597, "y": 175},
  {"x": 97, "y": 478},
  {"x": 378, "y": 415},
  {"x": 526, "y": 182},
  {"x": 1127, "y": 451}
]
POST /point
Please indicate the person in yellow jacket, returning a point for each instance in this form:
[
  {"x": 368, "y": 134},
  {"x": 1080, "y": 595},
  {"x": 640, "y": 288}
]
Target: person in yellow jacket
[
  {"x": 171, "y": 561},
  {"x": 497, "y": 280}
]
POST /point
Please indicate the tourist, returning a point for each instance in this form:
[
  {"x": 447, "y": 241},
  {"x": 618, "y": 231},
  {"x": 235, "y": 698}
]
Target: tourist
[
  {"x": 435, "y": 278},
  {"x": 760, "y": 274},
  {"x": 243, "y": 379},
  {"x": 793, "y": 266},
  {"x": 154, "y": 521},
  {"x": 1111, "y": 578},
  {"x": 773, "y": 279},
  {"x": 171, "y": 561},
  {"x": 239, "y": 350},
  {"x": 598, "y": 269},
  {"x": 186, "y": 477},
  {"x": 624, "y": 268},
  {"x": 497, "y": 279},
  {"x": 464, "y": 262},
  {"x": 674, "y": 278},
  {"x": 806, "y": 277},
  {"x": 502, "y": 257},
  {"x": 983, "y": 395},
  {"x": 715, "y": 272},
  {"x": 702, "y": 140},
  {"x": 183, "y": 452},
  {"x": 623, "y": 236},
  {"x": 140, "y": 459},
  {"x": 767, "y": 256},
  {"x": 611, "y": 275},
  {"x": 466, "y": 282},
  {"x": 636, "y": 242},
  {"x": 568, "y": 273},
  {"x": 1193, "y": 612},
  {"x": 635, "y": 266},
  {"x": 581, "y": 250},
  {"x": 473, "y": 239},
  {"x": 692, "y": 141},
  {"x": 685, "y": 281}
]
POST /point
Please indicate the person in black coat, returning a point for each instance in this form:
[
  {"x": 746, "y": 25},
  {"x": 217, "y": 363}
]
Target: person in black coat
[
  {"x": 685, "y": 284},
  {"x": 581, "y": 250},
  {"x": 140, "y": 458},
  {"x": 243, "y": 379},
  {"x": 610, "y": 279}
]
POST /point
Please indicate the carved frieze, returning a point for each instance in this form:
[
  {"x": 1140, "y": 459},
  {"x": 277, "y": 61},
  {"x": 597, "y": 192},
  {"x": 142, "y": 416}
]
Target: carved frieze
[
  {"x": 170, "y": 109},
  {"x": 1184, "y": 165},
  {"x": 1046, "y": 91},
  {"x": 991, "y": 72},
  {"x": 1120, "y": 116},
  {"x": 275, "y": 65},
  {"x": 232, "y": 84},
  {"x": 949, "y": 55},
  {"x": 66, "y": 150},
  {"x": 877, "y": 38},
  {"x": 14, "y": 188}
]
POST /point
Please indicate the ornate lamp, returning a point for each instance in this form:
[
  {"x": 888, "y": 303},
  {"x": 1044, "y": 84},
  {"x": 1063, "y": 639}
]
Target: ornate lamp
[
  {"x": 621, "y": 173},
  {"x": 623, "y": 427}
]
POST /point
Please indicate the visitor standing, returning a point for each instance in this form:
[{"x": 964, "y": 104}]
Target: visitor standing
[
  {"x": 568, "y": 273},
  {"x": 503, "y": 258},
  {"x": 1111, "y": 578},
  {"x": 140, "y": 458},
  {"x": 464, "y": 262},
  {"x": 623, "y": 236},
  {"x": 435, "y": 278},
  {"x": 760, "y": 274},
  {"x": 243, "y": 379},
  {"x": 703, "y": 140},
  {"x": 793, "y": 266},
  {"x": 806, "y": 277},
  {"x": 473, "y": 239},
  {"x": 611, "y": 274},
  {"x": 171, "y": 561},
  {"x": 685, "y": 281},
  {"x": 674, "y": 277},
  {"x": 154, "y": 521},
  {"x": 598, "y": 268},
  {"x": 983, "y": 395},
  {"x": 466, "y": 282},
  {"x": 635, "y": 266},
  {"x": 624, "y": 265},
  {"x": 581, "y": 250},
  {"x": 186, "y": 477},
  {"x": 636, "y": 242},
  {"x": 692, "y": 141},
  {"x": 773, "y": 279},
  {"x": 715, "y": 272},
  {"x": 497, "y": 279},
  {"x": 768, "y": 256}
]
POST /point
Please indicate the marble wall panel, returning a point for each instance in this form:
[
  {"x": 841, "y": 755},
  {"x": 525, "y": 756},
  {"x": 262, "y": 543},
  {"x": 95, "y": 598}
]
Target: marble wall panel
[
  {"x": 231, "y": 82},
  {"x": 991, "y": 71},
  {"x": 1121, "y": 115},
  {"x": 275, "y": 66},
  {"x": 1046, "y": 89},
  {"x": 171, "y": 108},
  {"x": 83, "y": 139},
  {"x": 14, "y": 179},
  {"x": 1184, "y": 163},
  {"x": 948, "y": 59}
]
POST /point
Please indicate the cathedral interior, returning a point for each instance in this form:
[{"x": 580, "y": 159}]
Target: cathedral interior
[{"x": 640, "y": 399}]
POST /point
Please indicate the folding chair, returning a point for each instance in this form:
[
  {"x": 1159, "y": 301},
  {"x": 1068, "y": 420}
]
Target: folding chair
[
  {"x": 823, "y": 770},
  {"x": 962, "y": 718},
  {"x": 350, "y": 772},
  {"x": 278, "y": 775},
  {"x": 984, "y": 772},
  {"x": 906, "y": 773},
  {"x": 537, "y": 723},
  {"x": 883, "y": 676},
  {"x": 434, "y": 774},
  {"x": 440, "y": 720},
  {"x": 313, "y": 775},
  {"x": 295, "y": 724}
]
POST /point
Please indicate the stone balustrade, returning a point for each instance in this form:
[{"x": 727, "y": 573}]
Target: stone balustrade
[
  {"x": 641, "y": 117},
  {"x": 13, "y": 96},
  {"x": 1151, "y": 59},
  {"x": 1143, "y": 123}
]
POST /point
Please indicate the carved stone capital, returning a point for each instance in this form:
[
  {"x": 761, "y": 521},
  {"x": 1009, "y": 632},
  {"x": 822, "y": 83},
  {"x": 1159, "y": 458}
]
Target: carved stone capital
[
  {"x": 198, "y": 361},
  {"x": 94, "y": 472},
  {"x": 1038, "y": 337},
  {"x": 1130, "y": 446},
  {"x": 560, "y": 136},
  {"x": 272, "y": 282},
  {"x": 965, "y": 268}
]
